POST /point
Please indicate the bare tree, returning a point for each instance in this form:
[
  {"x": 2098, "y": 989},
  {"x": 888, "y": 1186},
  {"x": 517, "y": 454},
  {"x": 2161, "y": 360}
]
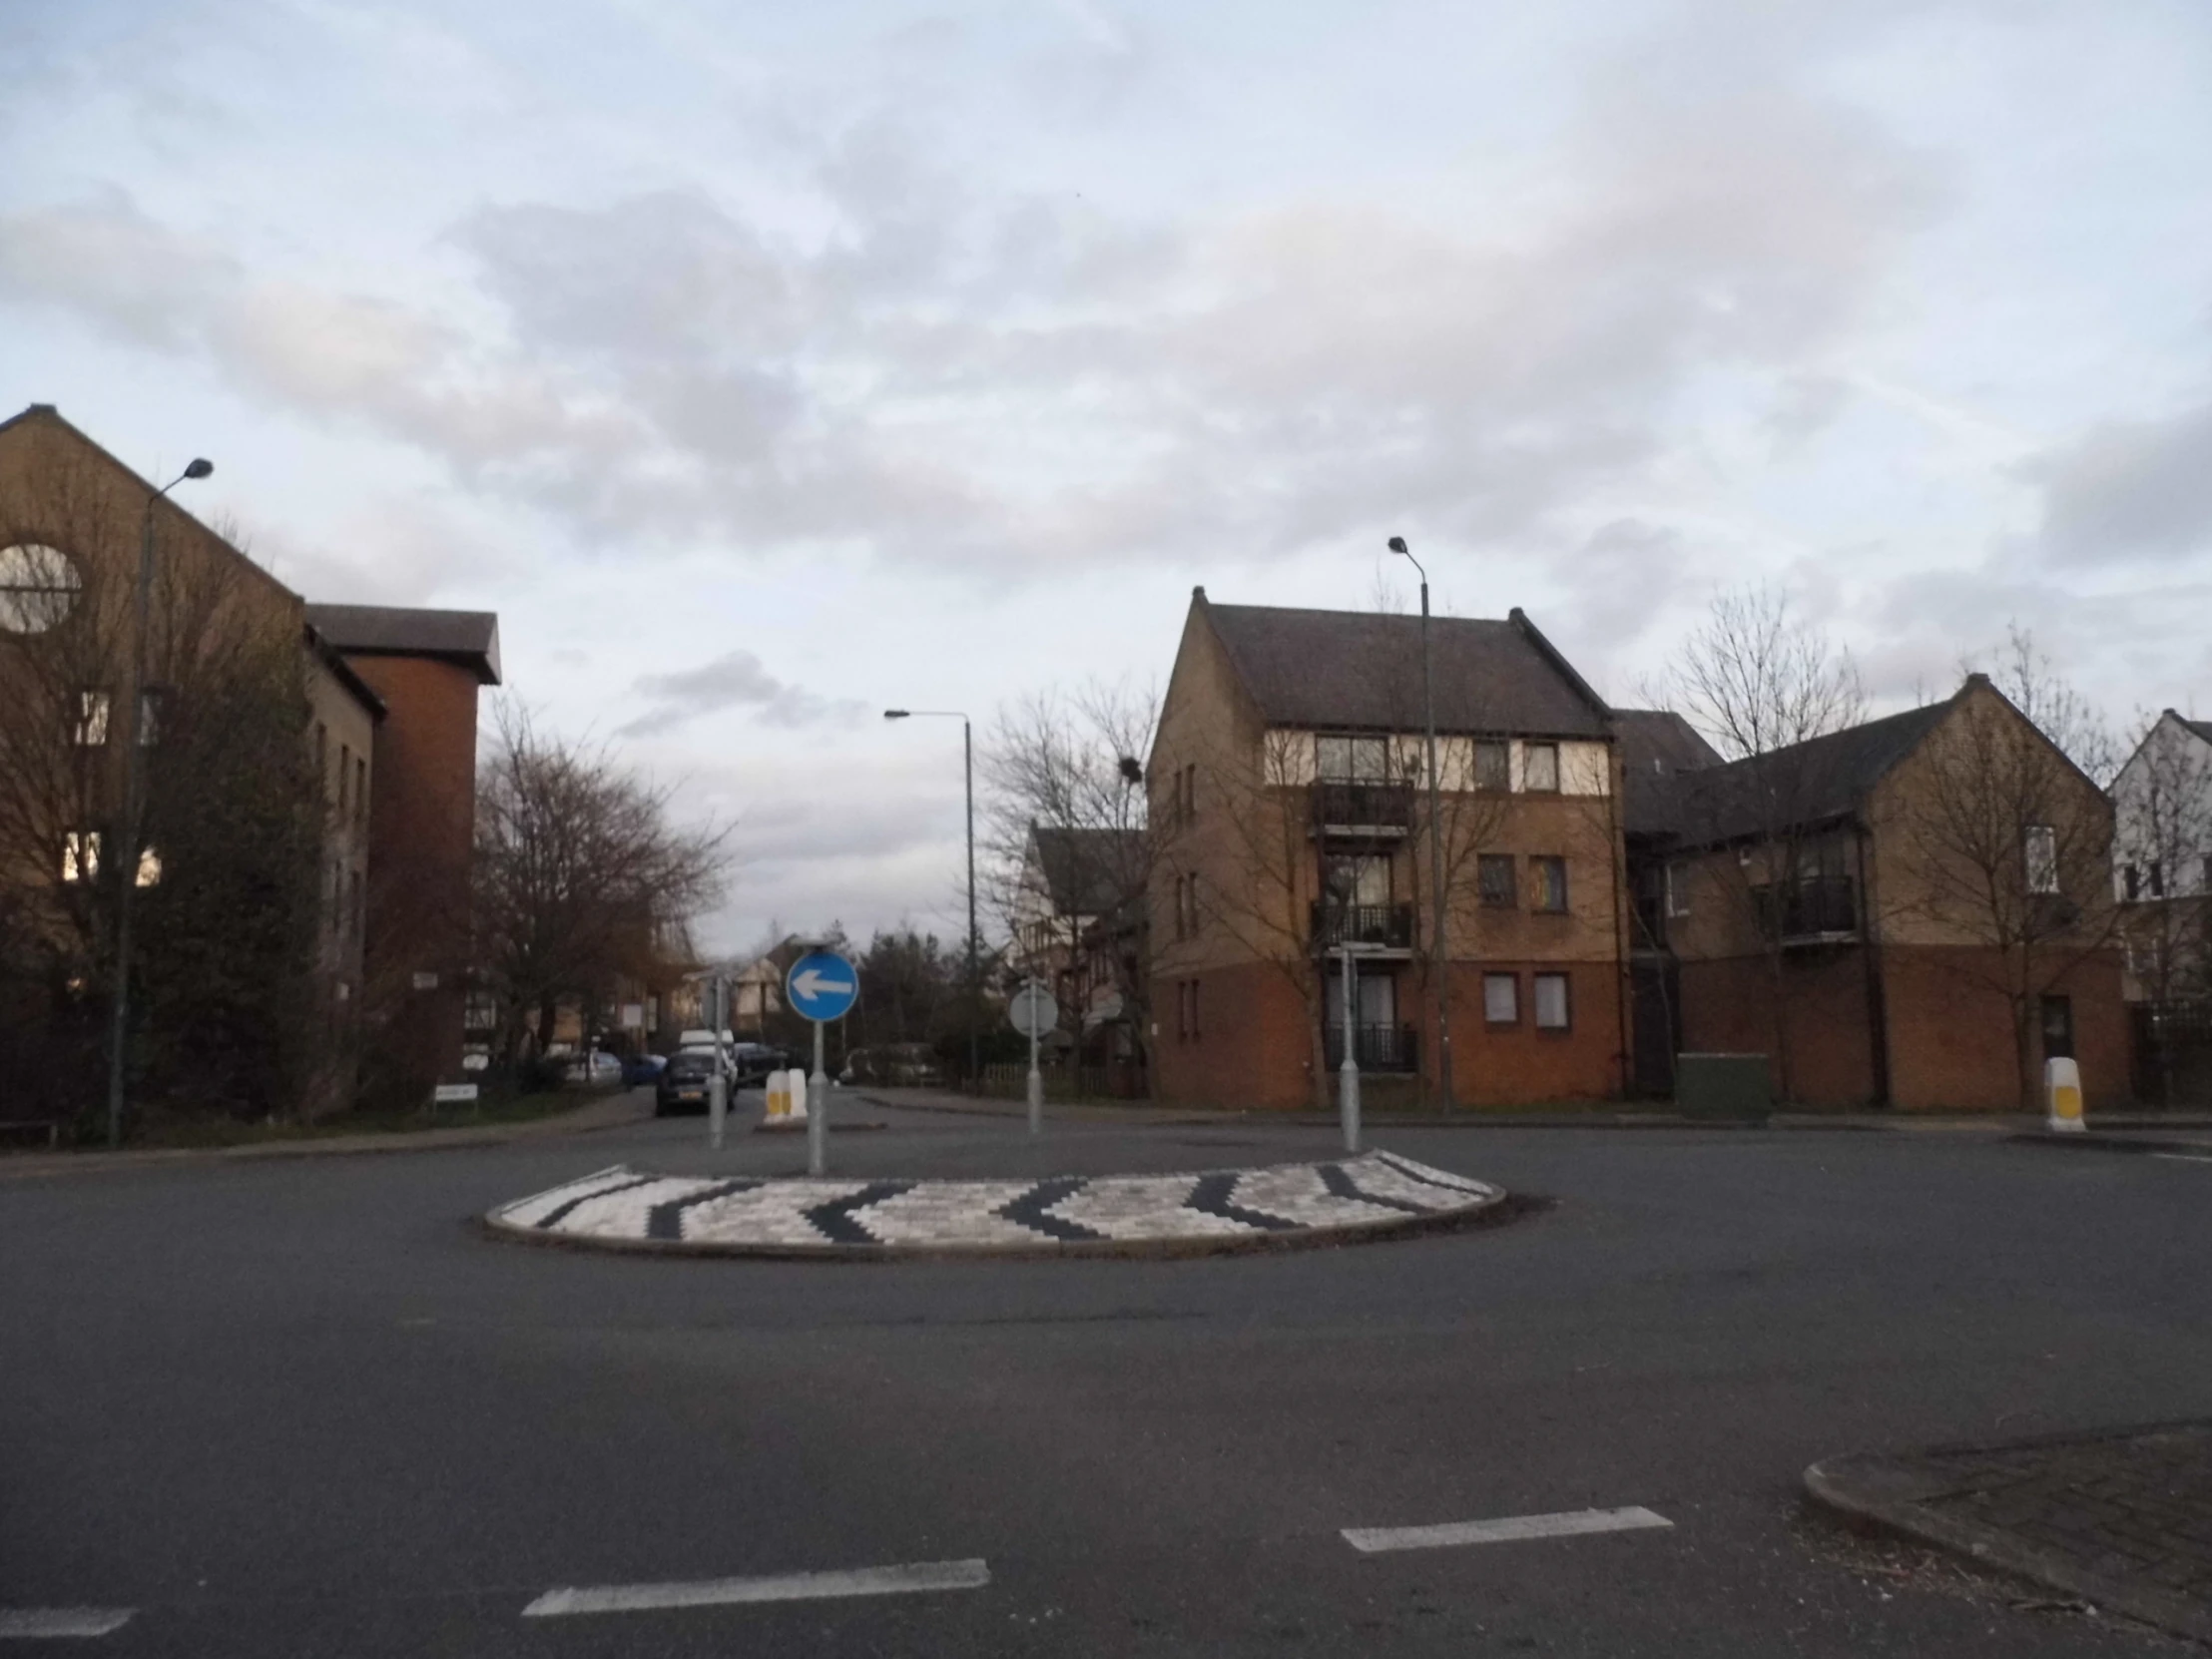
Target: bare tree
[
  {"x": 580, "y": 872},
  {"x": 1762, "y": 683},
  {"x": 1073, "y": 762},
  {"x": 2014, "y": 839},
  {"x": 225, "y": 863}
]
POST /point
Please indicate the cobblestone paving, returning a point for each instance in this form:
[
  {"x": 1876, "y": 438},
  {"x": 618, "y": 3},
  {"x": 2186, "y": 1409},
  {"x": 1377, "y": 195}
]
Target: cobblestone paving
[
  {"x": 2122, "y": 1518},
  {"x": 1378, "y": 1189}
]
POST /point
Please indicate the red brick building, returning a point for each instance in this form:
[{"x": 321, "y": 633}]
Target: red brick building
[
  {"x": 1288, "y": 795},
  {"x": 429, "y": 669}
]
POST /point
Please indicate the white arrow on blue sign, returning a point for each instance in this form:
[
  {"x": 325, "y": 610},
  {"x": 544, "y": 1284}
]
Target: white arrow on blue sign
[{"x": 822, "y": 985}]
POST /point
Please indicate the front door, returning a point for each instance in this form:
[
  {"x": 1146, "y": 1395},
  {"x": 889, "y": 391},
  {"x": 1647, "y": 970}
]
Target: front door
[{"x": 2059, "y": 1041}]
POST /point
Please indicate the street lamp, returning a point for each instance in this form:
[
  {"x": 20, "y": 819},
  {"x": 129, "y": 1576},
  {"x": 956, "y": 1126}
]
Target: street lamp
[
  {"x": 975, "y": 969},
  {"x": 126, "y": 860},
  {"x": 1435, "y": 842}
]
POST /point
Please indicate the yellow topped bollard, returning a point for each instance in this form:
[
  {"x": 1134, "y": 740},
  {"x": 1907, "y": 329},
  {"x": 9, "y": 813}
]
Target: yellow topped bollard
[{"x": 2062, "y": 1092}]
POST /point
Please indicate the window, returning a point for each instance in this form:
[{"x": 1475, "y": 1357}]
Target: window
[
  {"x": 81, "y": 855},
  {"x": 2132, "y": 880},
  {"x": 1347, "y": 759},
  {"x": 150, "y": 868},
  {"x": 152, "y": 714},
  {"x": 1678, "y": 902},
  {"x": 1501, "y": 1000},
  {"x": 1493, "y": 771},
  {"x": 1549, "y": 878},
  {"x": 1552, "y": 1004},
  {"x": 2157, "y": 879},
  {"x": 92, "y": 719},
  {"x": 1494, "y": 878},
  {"x": 2041, "y": 851},
  {"x": 1354, "y": 880},
  {"x": 1541, "y": 768}
]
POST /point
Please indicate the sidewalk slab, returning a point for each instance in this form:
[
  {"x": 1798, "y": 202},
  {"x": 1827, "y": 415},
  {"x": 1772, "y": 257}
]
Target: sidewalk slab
[{"x": 2121, "y": 1518}]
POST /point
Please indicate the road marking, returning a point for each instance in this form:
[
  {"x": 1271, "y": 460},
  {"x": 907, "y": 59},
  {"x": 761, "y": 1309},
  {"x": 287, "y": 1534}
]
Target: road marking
[
  {"x": 2184, "y": 1157},
  {"x": 796, "y": 1587},
  {"x": 1508, "y": 1529},
  {"x": 42, "y": 1623}
]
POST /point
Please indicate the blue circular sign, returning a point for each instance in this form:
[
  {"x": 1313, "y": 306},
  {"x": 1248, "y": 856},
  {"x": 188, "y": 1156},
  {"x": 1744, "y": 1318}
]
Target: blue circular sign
[{"x": 822, "y": 985}]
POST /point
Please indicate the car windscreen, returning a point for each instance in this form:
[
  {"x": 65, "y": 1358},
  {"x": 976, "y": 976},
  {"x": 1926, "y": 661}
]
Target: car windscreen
[{"x": 691, "y": 1067}]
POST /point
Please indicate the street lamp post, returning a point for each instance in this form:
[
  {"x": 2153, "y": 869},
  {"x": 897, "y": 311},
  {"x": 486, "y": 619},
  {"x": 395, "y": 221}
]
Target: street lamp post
[
  {"x": 126, "y": 861},
  {"x": 974, "y": 968},
  {"x": 1435, "y": 845}
]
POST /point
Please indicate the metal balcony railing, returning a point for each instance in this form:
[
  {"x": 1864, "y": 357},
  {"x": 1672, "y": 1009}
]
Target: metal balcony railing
[
  {"x": 1387, "y": 927},
  {"x": 1376, "y": 1047},
  {"x": 1367, "y": 806},
  {"x": 1818, "y": 907}
]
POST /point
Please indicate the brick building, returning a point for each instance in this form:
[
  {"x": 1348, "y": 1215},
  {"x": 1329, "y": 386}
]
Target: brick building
[
  {"x": 1287, "y": 795},
  {"x": 1913, "y": 911},
  {"x": 428, "y": 668}
]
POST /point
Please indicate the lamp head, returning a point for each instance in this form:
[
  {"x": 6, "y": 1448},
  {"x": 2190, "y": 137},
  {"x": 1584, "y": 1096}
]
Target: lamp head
[
  {"x": 199, "y": 469},
  {"x": 1397, "y": 545},
  {"x": 1132, "y": 770},
  {"x": 896, "y": 713}
]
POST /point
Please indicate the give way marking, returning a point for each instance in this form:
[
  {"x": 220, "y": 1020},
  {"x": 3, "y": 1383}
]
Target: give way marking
[
  {"x": 46, "y": 1623},
  {"x": 1373, "y": 1540},
  {"x": 793, "y": 1586}
]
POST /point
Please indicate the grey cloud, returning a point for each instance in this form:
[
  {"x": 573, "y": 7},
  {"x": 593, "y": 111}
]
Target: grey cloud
[
  {"x": 2139, "y": 489},
  {"x": 1620, "y": 580},
  {"x": 737, "y": 680}
]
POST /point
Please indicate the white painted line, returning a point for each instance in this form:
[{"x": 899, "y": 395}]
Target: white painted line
[
  {"x": 2185, "y": 1157},
  {"x": 1510, "y": 1529},
  {"x": 796, "y": 1587},
  {"x": 45, "y": 1623}
]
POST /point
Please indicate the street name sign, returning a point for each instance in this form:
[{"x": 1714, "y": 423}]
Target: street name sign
[
  {"x": 1033, "y": 1010},
  {"x": 822, "y": 986}
]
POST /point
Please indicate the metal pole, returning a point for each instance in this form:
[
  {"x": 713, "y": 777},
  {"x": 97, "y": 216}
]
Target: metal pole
[
  {"x": 718, "y": 1087},
  {"x": 1036, "y": 1077},
  {"x": 817, "y": 1113},
  {"x": 1440, "y": 956},
  {"x": 122, "y": 857},
  {"x": 1348, "y": 1074},
  {"x": 975, "y": 969}
]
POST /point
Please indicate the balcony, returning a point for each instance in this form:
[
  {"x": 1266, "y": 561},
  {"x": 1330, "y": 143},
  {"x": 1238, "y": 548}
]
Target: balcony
[
  {"x": 1374, "y": 1047},
  {"x": 1815, "y": 911},
  {"x": 1342, "y": 808},
  {"x": 1363, "y": 926}
]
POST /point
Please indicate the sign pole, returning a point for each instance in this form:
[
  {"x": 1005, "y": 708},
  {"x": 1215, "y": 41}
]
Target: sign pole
[
  {"x": 718, "y": 1087},
  {"x": 1348, "y": 1074},
  {"x": 1036, "y": 1078},
  {"x": 817, "y": 1113}
]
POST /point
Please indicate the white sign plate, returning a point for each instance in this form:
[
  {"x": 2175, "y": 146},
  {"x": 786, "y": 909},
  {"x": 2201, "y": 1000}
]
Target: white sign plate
[
  {"x": 1032, "y": 1011},
  {"x": 450, "y": 1093}
]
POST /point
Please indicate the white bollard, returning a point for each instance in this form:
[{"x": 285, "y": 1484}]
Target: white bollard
[
  {"x": 795, "y": 1094},
  {"x": 776, "y": 1102},
  {"x": 2062, "y": 1092}
]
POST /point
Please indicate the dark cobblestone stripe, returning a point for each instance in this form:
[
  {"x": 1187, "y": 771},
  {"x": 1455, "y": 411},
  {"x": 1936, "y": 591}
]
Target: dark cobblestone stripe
[
  {"x": 666, "y": 1221},
  {"x": 560, "y": 1212},
  {"x": 1340, "y": 1185},
  {"x": 1029, "y": 1210},
  {"x": 835, "y": 1220},
  {"x": 1211, "y": 1197}
]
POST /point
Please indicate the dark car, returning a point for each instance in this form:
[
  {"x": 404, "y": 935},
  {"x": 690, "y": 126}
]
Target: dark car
[
  {"x": 641, "y": 1068},
  {"x": 682, "y": 1085}
]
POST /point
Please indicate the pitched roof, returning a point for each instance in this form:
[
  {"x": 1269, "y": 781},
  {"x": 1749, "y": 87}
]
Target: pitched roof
[
  {"x": 1805, "y": 783},
  {"x": 1359, "y": 670},
  {"x": 469, "y": 638},
  {"x": 1656, "y": 746},
  {"x": 1087, "y": 872}
]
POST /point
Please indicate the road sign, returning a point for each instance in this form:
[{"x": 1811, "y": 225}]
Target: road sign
[
  {"x": 822, "y": 986},
  {"x": 1033, "y": 1011}
]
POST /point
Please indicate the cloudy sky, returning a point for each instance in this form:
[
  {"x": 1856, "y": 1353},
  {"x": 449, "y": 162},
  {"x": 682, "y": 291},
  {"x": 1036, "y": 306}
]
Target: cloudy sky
[{"x": 767, "y": 365}]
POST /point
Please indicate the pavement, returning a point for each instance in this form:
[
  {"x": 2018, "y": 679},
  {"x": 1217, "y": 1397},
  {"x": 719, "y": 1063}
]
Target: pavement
[
  {"x": 1206, "y": 1212},
  {"x": 2120, "y": 1519},
  {"x": 296, "y": 1406}
]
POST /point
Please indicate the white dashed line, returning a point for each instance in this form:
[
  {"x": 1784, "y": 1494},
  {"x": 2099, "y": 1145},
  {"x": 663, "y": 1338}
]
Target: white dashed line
[
  {"x": 796, "y": 1587},
  {"x": 1510, "y": 1529},
  {"x": 46, "y": 1623},
  {"x": 2185, "y": 1157}
]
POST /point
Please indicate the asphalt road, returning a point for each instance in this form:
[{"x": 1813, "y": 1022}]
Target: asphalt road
[{"x": 297, "y": 1409}]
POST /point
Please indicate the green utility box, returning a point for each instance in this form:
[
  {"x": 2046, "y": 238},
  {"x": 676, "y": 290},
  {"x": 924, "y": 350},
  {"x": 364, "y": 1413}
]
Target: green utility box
[{"x": 1722, "y": 1086}]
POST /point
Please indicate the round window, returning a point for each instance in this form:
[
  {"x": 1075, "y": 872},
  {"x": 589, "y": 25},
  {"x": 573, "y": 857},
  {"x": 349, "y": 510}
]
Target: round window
[{"x": 38, "y": 588}]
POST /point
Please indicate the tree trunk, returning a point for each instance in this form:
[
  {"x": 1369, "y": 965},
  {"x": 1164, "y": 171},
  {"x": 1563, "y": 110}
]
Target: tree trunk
[{"x": 547, "y": 1013}]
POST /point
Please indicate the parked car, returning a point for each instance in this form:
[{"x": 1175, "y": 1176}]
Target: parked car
[
  {"x": 752, "y": 1062},
  {"x": 901, "y": 1065},
  {"x": 642, "y": 1069},
  {"x": 704, "y": 1053},
  {"x": 595, "y": 1068},
  {"x": 682, "y": 1085}
]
